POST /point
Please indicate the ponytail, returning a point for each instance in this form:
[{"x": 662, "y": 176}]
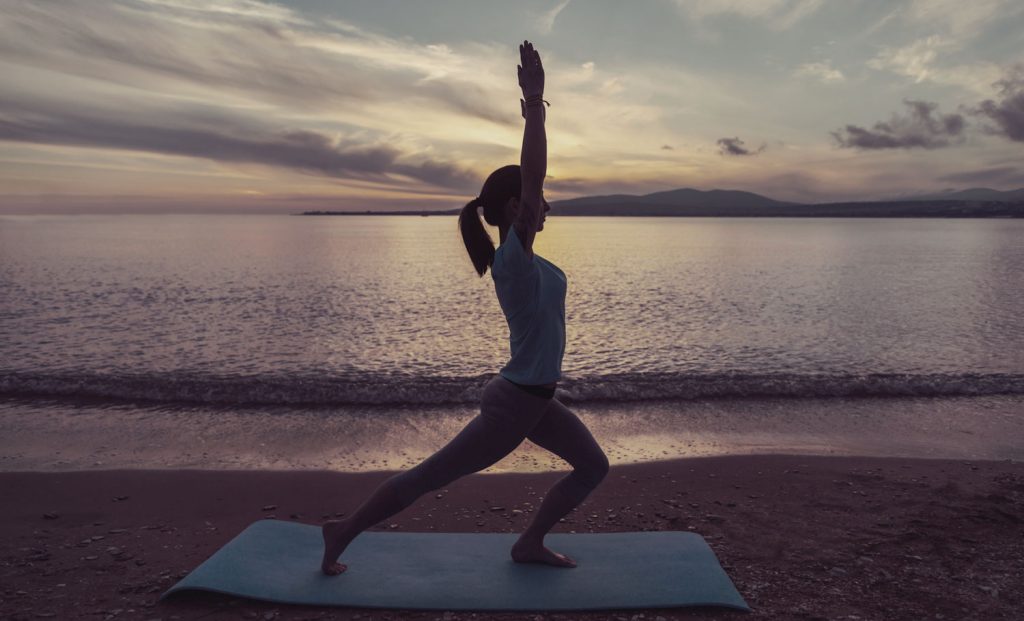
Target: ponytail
[
  {"x": 502, "y": 185},
  {"x": 478, "y": 243}
]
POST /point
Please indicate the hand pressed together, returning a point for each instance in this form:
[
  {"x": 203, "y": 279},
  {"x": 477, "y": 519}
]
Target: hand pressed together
[{"x": 531, "y": 71}]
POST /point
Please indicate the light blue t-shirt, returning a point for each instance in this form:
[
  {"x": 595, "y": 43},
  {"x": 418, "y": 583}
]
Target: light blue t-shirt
[{"x": 531, "y": 292}]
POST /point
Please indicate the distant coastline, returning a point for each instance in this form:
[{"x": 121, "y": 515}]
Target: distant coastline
[
  {"x": 887, "y": 209},
  {"x": 691, "y": 203},
  {"x": 446, "y": 212}
]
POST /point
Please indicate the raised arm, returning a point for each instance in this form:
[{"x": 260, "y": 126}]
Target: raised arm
[{"x": 533, "y": 162}]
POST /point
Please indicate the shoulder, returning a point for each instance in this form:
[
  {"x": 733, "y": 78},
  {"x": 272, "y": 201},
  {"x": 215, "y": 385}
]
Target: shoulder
[{"x": 511, "y": 258}]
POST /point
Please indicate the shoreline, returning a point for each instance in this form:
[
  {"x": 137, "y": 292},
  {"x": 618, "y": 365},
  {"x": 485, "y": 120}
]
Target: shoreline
[
  {"x": 368, "y": 439},
  {"x": 801, "y": 536}
]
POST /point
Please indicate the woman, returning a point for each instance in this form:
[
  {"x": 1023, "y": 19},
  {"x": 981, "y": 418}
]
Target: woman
[{"x": 519, "y": 401}]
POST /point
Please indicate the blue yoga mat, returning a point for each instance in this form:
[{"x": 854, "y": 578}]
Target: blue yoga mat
[{"x": 279, "y": 561}]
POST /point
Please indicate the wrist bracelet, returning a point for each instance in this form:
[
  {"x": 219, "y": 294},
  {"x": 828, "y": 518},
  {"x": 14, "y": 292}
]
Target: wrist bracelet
[{"x": 534, "y": 100}]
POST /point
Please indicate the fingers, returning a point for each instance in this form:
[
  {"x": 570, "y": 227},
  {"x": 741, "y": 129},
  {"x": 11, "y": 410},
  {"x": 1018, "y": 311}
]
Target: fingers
[
  {"x": 529, "y": 61},
  {"x": 527, "y": 54}
]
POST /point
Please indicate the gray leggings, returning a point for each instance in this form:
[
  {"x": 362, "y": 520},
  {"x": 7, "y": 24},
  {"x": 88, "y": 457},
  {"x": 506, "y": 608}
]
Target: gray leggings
[{"x": 508, "y": 415}]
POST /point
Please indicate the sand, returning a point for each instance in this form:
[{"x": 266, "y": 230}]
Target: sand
[{"x": 803, "y": 537}]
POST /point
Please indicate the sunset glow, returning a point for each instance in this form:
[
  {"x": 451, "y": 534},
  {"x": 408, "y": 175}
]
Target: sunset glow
[{"x": 244, "y": 105}]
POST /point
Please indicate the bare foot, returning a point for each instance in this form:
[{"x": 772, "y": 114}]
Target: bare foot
[
  {"x": 334, "y": 545},
  {"x": 537, "y": 553}
]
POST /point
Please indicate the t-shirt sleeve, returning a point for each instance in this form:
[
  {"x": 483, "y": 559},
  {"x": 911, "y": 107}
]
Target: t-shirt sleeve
[{"x": 511, "y": 257}]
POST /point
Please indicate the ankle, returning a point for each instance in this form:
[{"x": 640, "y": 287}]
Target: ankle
[
  {"x": 340, "y": 526},
  {"x": 530, "y": 540}
]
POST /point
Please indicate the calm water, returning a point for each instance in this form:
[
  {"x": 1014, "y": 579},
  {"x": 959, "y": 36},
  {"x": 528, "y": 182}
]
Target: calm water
[
  {"x": 361, "y": 343},
  {"x": 348, "y": 310}
]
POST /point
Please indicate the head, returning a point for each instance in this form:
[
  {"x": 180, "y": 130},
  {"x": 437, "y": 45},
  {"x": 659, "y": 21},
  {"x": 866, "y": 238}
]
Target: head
[{"x": 499, "y": 199}]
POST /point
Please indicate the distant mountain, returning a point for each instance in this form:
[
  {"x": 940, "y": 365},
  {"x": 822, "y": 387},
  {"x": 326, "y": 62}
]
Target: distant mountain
[
  {"x": 972, "y": 203},
  {"x": 685, "y": 201},
  {"x": 971, "y": 194}
]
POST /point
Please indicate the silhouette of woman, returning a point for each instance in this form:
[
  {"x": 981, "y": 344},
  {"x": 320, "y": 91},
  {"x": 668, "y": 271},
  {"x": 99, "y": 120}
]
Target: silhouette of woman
[{"x": 518, "y": 402}]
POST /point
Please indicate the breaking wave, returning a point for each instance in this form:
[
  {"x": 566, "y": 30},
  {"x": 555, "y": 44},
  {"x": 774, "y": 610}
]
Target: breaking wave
[{"x": 410, "y": 390}]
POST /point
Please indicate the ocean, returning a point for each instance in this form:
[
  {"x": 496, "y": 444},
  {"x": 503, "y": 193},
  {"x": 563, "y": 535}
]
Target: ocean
[{"x": 138, "y": 338}]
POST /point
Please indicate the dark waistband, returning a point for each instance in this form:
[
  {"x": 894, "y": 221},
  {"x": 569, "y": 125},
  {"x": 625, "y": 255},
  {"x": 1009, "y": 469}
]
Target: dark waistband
[{"x": 540, "y": 391}]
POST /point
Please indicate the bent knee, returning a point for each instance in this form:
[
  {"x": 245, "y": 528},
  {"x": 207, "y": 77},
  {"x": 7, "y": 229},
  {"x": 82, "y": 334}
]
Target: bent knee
[{"x": 594, "y": 472}]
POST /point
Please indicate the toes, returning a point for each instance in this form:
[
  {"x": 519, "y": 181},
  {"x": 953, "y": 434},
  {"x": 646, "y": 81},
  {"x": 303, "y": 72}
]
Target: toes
[
  {"x": 565, "y": 559},
  {"x": 546, "y": 556},
  {"x": 335, "y": 569}
]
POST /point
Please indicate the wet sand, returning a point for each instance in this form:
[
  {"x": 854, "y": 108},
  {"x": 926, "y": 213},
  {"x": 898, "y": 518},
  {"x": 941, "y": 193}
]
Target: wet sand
[{"x": 803, "y": 537}]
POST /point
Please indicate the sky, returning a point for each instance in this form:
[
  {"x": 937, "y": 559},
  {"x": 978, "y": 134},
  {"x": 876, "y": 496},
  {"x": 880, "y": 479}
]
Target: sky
[{"x": 259, "y": 106}]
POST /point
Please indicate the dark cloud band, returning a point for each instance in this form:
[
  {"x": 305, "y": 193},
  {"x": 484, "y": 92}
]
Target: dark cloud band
[
  {"x": 735, "y": 146},
  {"x": 306, "y": 151},
  {"x": 1008, "y": 113},
  {"x": 921, "y": 128}
]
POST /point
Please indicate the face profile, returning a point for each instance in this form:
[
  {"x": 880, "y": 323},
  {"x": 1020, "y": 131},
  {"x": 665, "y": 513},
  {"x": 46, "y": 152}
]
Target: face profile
[{"x": 512, "y": 212}]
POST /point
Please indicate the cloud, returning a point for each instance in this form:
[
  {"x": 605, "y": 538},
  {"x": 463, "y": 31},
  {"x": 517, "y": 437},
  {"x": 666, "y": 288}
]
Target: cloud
[
  {"x": 270, "y": 203},
  {"x": 240, "y": 51},
  {"x": 956, "y": 21},
  {"x": 570, "y": 185},
  {"x": 546, "y": 22},
  {"x": 822, "y": 71},
  {"x": 918, "y": 129},
  {"x": 255, "y": 10},
  {"x": 612, "y": 86},
  {"x": 999, "y": 175},
  {"x": 604, "y": 185},
  {"x": 224, "y": 140},
  {"x": 1008, "y": 112},
  {"x": 734, "y": 146},
  {"x": 919, "y": 61},
  {"x": 913, "y": 60},
  {"x": 776, "y": 14},
  {"x": 962, "y": 20}
]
